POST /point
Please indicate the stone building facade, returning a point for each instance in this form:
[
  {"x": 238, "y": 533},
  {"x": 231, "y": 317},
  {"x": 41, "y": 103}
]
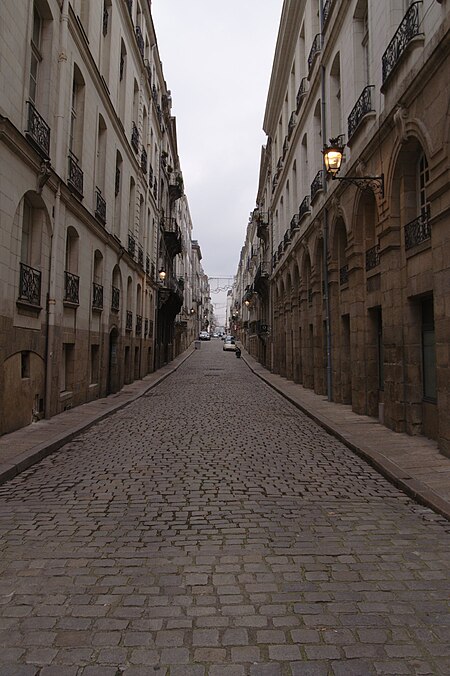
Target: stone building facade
[
  {"x": 92, "y": 206},
  {"x": 353, "y": 275}
]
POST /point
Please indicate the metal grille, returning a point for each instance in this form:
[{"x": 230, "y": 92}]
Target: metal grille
[
  {"x": 38, "y": 130},
  {"x": 135, "y": 137},
  {"x": 317, "y": 184},
  {"x": 97, "y": 296},
  {"x": 417, "y": 231},
  {"x": 140, "y": 40},
  {"x": 138, "y": 325},
  {"x": 304, "y": 207},
  {"x": 343, "y": 275},
  {"x": 361, "y": 108},
  {"x": 131, "y": 245},
  {"x": 372, "y": 257},
  {"x": 302, "y": 90},
  {"x": 30, "y": 285},
  {"x": 71, "y": 288},
  {"x": 315, "y": 49},
  {"x": 100, "y": 207},
  {"x": 408, "y": 29},
  {"x": 115, "y": 298},
  {"x": 144, "y": 160},
  {"x": 129, "y": 321}
]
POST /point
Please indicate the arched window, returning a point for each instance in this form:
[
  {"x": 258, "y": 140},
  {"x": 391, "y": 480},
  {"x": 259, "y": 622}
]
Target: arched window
[
  {"x": 71, "y": 278},
  {"x": 75, "y": 177},
  {"x": 30, "y": 252}
]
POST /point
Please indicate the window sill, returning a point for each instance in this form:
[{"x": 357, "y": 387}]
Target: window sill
[{"x": 27, "y": 308}]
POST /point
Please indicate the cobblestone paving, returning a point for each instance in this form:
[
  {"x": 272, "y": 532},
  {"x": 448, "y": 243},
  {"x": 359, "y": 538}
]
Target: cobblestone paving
[{"x": 210, "y": 528}]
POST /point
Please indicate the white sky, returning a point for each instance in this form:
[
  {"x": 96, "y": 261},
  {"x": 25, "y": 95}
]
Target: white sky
[{"x": 217, "y": 60}]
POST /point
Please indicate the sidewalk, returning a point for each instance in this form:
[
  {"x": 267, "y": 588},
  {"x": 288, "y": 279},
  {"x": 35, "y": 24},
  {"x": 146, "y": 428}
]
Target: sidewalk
[{"x": 414, "y": 464}]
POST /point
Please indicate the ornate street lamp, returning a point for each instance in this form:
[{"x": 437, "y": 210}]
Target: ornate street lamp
[
  {"x": 332, "y": 156},
  {"x": 162, "y": 275}
]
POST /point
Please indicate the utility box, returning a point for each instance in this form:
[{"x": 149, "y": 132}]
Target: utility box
[{"x": 197, "y": 344}]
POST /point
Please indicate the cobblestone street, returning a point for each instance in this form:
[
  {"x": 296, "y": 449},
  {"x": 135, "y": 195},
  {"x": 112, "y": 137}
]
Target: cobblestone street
[{"x": 210, "y": 528}]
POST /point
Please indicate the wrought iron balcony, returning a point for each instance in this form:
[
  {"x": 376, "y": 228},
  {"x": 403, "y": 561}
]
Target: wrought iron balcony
[
  {"x": 302, "y": 91},
  {"x": 343, "y": 275},
  {"x": 176, "y": 188},
  {"x": 150, "y": 175},
  {"x": 134, "y": 137},
  {"x": 71, "y": 288},
  {"x": 117, "y": 182},
  {"x": 30, "y": 285},
  {"x": 372, "y": 257},
  {"x": 97, "y": 296},
  {"x": 144, "y": 160},
  {"x": 172, "y": 236},
  {"x": 140, "y": 256},
  {"x": 280, "y": 250},
  {"x": 131, "y": 245},
  {"x": 286, "y": 239},
  {"x": 147, "y": 264},
  {"x": 149, "y": 71},
  {"x": 140, "y": 40},
  {"x": 145, "y": 328},
  {"x": 274, "y": 260},
  {"x": 295, "y": 222},
  {"x": 360, "y": 109},
  {"x": 417, "y": 231},
  {"x": 291, "y": 125},
  {"x": 138, "y": 325},
  {"x": 75, "y": 178},
  {"x": 317, "y": 184},
  {"x": 100, "y": 207},
  {"x": 129, "y": 321},
  {"x": 315, "y": 50},
  {"x": 304, "y": 208},
  {"x": 129, "y": 4},
  {"x": 327, "y": 7},
  {"x": 408, "y": 29},
  {"x": 285, "y": 146},
  {"x": 38, "y": 131},
  {"x": 115, "y": 298}
]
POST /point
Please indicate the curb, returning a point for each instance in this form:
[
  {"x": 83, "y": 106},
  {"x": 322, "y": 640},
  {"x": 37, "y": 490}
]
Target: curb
[
  {"x": 399, "y": 477},
  {"x": 40, "y": 451}
]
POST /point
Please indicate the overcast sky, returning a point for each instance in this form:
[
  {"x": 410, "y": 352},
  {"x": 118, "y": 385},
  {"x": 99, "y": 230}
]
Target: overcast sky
[{"x": 217, "y": 60}]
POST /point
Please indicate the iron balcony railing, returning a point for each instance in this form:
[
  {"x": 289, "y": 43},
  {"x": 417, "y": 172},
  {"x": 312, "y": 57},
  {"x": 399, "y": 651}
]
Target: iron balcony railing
[
  {"x": 304, "y": 207},
  {"x": 149, "y": 71},
  {"x": 38, "y": 131},
  {"x": 372, "y": 257},
  {"x": 141, "y": 256},
  {"x": 343, "y": 275},
  {"x": 286, "y": 239},
  {"x": 75, "y": 177},
  {"x": 285, "y": 146},
  {"x": 314, "y": 51},
  {"x": 280, "y": 250},
  {"x": 144, "y": 160},
  {"x": 129, "y": 321},
  {"x": 274, "y": 260},
  {"x": 417, "y": 231},
  {"x": 138, "y": 325},
  {"x": 134, "y": 137},
  {"x": 140, "y": 40},
  {"x": 302, "y": 91},
  {"x": 408, "y": 29},
  {"x": 317, "y": 184},
  {"x": 129, "y": 4},
  {"x": 115, "y": 298},
  {"x": 97, "y": 296},
  {"x": 327, "y": 7},
  {"x": 295, "y": 222},
  {"x": 145, "y": 328},
  {"x": 131, "y": 245},
  {"x": 291, "y": 125},
  {"x": 71, "y": 288},
  {"x": 100, "y": 206},
  {"x": 147, "y": 264},
  {"x": 360, "y": 109},
  {"x": 117, "y": 182},
  {"x": 30, "y": 285}
]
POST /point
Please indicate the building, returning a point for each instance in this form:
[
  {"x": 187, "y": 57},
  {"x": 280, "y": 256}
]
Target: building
[
  {"x": 351, "y": 277},
  {"x": 95, "y": 227}
]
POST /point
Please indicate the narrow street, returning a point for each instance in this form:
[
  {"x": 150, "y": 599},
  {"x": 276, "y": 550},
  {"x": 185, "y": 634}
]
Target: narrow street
[{"x": 210, "y": 528}]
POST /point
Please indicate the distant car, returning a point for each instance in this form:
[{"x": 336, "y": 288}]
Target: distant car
[
  {"x": 229, "y": 343},
  {"x": 204, "y": 335}
]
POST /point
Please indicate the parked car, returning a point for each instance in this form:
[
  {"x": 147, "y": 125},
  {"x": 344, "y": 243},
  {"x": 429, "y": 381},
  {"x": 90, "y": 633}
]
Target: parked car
[
  {"x": 229, "y": 343},
  {"x": 204, "y": 335}
]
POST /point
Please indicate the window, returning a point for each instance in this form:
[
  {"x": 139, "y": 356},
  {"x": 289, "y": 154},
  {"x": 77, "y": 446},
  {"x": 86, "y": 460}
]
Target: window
[
  {"x": 25, "y": 365},
  {"x": 428, "y": 351},
  {"x": 36, "y": 56}
]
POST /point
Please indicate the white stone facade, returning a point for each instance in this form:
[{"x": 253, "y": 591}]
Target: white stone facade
[
  {"x": 357, "y": 295},
  {"x": 92, "y": 206}
]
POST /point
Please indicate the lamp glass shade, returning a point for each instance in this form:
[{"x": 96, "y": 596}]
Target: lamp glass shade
[
  {"x": 333, "y": 158},
  {"x": 162, "y": 275}
]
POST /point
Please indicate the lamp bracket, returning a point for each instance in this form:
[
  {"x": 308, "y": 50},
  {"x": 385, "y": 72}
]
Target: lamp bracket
[{"x": 373, "y": 183}]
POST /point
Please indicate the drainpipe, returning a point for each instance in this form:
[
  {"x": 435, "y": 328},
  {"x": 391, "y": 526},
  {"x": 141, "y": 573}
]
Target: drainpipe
[
  {"x": 59, "y": 169},
  {"x": 325, "y": 237}
]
